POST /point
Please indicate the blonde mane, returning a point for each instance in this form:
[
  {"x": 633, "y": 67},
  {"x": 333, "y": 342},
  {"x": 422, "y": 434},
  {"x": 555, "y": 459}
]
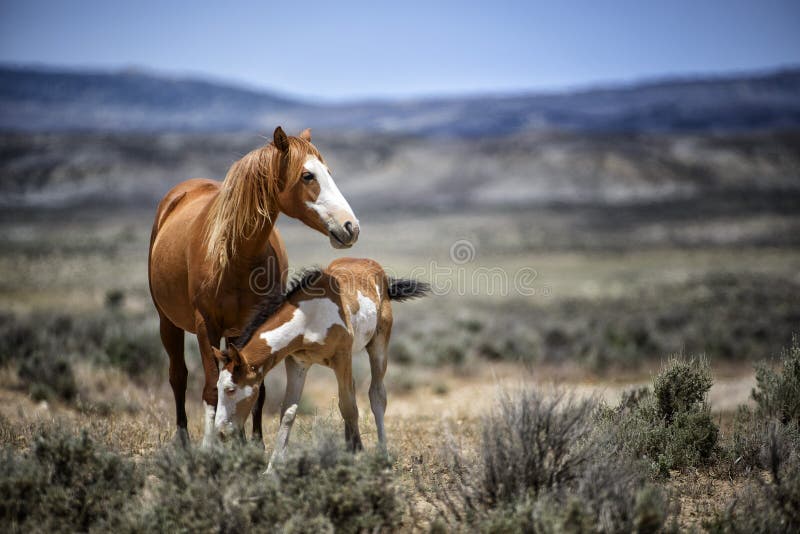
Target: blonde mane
[{"x": 247, "y": 200}]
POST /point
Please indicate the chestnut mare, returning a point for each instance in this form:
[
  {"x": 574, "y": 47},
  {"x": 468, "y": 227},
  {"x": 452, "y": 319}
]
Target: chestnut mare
[{"x": 208, "y": 240}]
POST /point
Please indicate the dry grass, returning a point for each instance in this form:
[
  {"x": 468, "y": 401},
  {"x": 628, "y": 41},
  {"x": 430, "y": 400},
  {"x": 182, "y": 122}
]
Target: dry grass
[{"x": 137, "y": 420}]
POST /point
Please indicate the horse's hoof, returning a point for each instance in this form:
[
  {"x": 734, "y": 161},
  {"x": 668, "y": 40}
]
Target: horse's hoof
[
  {"x": 257, "y": 442},
  {"x": 181, "y": 438}
]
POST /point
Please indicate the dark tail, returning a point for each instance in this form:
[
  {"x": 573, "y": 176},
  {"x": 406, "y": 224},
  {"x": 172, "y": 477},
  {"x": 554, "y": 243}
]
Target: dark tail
[{"x": 402, "y": 289}]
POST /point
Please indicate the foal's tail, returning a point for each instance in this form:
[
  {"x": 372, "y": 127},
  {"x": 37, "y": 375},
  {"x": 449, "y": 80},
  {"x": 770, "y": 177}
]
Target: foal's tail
[{"x": 402, "y": 289}]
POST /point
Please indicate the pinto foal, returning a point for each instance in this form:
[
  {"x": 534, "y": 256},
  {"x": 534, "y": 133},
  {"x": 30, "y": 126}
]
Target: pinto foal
[{"x": 324, "y": 317}]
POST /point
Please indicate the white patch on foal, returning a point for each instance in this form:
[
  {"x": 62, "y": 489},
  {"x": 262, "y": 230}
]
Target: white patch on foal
[
  {"x": 330, "y": 199},
  {"x": 364, "y": 322},
  {"x": 312, "y": 319},
  {"x": 226, "y": 403}
]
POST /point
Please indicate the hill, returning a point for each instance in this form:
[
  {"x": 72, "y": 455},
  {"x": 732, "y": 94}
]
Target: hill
[{"x": 56, "y": 100}]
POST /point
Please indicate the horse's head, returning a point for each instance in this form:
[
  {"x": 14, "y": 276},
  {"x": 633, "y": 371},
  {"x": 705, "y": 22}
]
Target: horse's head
[
  {"x": 237, "y": 390},
  {"x": 308, "y": 192}
]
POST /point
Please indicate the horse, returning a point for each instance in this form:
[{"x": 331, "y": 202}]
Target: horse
[
  {"x": 210, "y": 240},
  {"x": 323, "y": 318}
]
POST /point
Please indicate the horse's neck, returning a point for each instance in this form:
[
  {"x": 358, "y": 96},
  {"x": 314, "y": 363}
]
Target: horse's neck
[
  {"x": 251, "y": 249},
  {"x": 254, "y": 246}
]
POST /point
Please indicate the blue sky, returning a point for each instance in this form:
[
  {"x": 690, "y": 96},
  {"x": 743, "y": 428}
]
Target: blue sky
[{"x": 343, "y": 50}]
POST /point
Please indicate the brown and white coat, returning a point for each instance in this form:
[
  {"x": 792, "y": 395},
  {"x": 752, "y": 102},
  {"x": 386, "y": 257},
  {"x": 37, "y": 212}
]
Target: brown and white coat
[{"x": 324, "y": 317}]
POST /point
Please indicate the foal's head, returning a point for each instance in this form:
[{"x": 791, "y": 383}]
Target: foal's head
[
  {"x": 237, "y": 390},
  {"x": 309, "y": 192}
]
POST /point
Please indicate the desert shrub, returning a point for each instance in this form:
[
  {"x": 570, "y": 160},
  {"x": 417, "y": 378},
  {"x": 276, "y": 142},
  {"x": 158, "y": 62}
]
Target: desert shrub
[
  {"x": 115, "y": 299},
  {"x": 126, "y": 342},
  {"x": 448, "y": 352},
  {"x": 724, "y": 315},
  {"x": 528, "y": 446},
  {"x": 544, "y": 466},
  {"x": 137, "y": 355},
  {"x": 672, "y": 427},
  {"x": 777, "y": 394},
  {"x": 400, "y": 352},
  {"x": 640, "y": 507},
  {"x": 777, "y": 398},
  {"x": 23, "y": 336},
  {"x": 681, "y": 386},
  {"x": 318, "y": 487},
  {"x": 65, "y": 483},
  {"x": 354, "y": 493},
  {"x": 747, "y": 440},
  {"x": 48, "y": 377},
  {"x": 509, "y": 341},
  {"x": 767, "y": 506}
]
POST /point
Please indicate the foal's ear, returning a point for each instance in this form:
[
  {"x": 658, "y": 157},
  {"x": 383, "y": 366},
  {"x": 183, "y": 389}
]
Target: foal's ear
[
  {"x": 280, "y": 139},
  {"x": 233, "y": 355},
  {"x": 220, "y": 356},
  {"x": 306, "y": 134}
]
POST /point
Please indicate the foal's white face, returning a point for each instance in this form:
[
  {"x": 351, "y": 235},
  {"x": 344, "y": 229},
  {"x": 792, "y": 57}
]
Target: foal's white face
[{"x": 234, "y": 401}]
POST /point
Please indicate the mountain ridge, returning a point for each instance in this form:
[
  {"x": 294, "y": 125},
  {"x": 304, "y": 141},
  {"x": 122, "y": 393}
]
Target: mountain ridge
[{"x": 47, "y": 99}]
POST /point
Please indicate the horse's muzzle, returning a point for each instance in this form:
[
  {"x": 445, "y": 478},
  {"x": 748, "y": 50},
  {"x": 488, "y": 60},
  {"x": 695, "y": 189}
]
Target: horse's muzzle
[{"x": 343, "y": 236}]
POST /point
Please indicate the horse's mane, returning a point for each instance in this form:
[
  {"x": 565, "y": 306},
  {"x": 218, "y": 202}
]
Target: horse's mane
[
  {"x": 270, "y": 304},
  {"x": 247, "y": 200}
]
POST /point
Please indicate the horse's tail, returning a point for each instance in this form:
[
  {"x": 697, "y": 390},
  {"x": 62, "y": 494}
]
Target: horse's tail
[{"x": 402, "y": 289}]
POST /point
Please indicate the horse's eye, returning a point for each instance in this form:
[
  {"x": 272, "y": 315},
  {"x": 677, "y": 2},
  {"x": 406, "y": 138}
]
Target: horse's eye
[
  {"x": 230, "y": 391},
  {"x": 308, "y": 177}
]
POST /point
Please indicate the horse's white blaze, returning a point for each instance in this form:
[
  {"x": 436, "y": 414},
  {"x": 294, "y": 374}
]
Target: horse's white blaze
[
  {"x": 312, "y": 319},
  {"x": 227, "y": 402},
  {"x": 330, "y": 200},
  {"x": 364, "y": 322}
]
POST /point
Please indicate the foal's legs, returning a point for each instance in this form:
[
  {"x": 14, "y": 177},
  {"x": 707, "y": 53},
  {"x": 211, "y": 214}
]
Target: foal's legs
[
  {"x": 295, "y": 381},
  {"x": 377, "y": 391},
  {"x": 343, "y": 367},
  {"x": 172, "y": 339}
]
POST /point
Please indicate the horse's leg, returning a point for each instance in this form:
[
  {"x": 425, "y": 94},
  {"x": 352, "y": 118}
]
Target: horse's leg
[
  {"x": 172, "y": 339},
  {"x": 257, "y": 438},
  {"x": 207, "y": 339},
  {"x": 295, "y": 381},
  {"x": 343, "y": 367},
  {"x": 377, "y": 391}
]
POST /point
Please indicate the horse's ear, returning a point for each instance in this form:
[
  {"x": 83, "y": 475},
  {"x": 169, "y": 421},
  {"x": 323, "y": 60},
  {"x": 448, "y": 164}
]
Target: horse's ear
[
  {"x": 280, "y": 139},
  {"x": 220, "y": 356},
  {"x": 306, "y": 134}
]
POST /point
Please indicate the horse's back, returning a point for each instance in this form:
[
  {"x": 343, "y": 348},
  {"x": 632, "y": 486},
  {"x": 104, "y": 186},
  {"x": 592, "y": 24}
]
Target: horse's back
[
  {"x": 183, "y": 193},
  {"x": 177, "y": 230}
]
